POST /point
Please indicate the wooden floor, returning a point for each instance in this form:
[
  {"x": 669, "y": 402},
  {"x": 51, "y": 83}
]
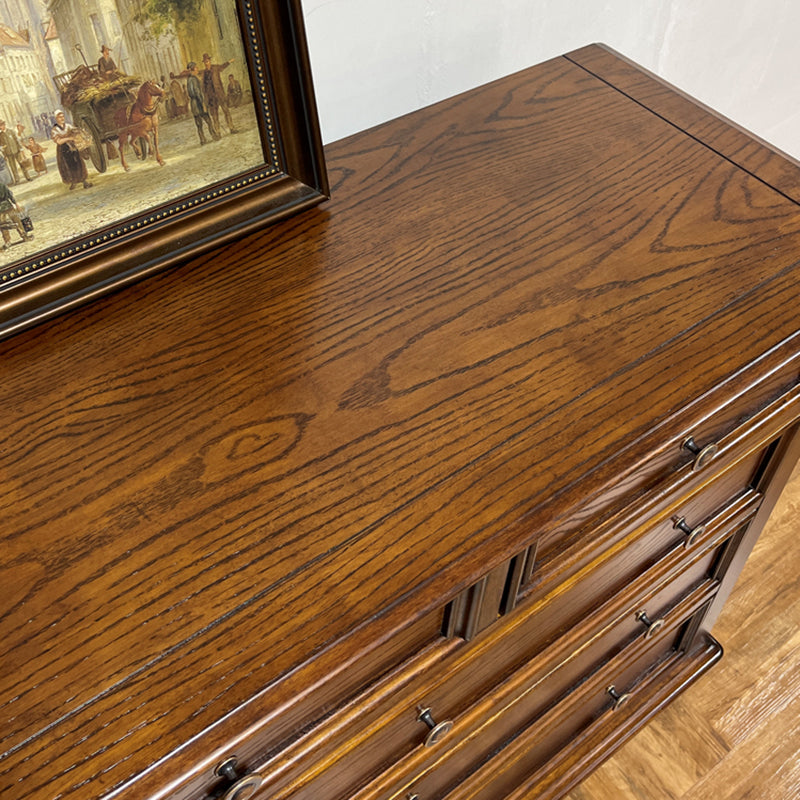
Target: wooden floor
[{"x": 735, "y": 734}]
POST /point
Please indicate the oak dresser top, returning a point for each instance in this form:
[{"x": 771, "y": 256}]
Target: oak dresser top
[{"x": 223, "y": 481}]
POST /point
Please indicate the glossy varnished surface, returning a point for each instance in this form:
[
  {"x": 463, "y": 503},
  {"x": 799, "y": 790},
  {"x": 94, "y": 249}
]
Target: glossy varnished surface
[{"x": 509, "y": 293}]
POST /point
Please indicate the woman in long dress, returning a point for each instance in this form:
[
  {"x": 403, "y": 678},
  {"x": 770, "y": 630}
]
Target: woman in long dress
[{"x": 71, "y": 165}]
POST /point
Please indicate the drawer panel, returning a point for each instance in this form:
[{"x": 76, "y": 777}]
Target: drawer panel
[
  {"x": 611, "y": 729},
  {"x": 644, "y": 544},
  {"x": 604, "y": 516},
  {"x": 635, "y": 539},
  {"x": 780, "y": 385},
  {"x": 377, "y": 734},
  {"x": 331, "y": 703},
  {"x": 486, "y": 728},
  {"x": 527, "y": 692},
  {"x": 381, "y": 737},
  {"x": 545, "y": 735},
  {"x": 750, "y": 417}
]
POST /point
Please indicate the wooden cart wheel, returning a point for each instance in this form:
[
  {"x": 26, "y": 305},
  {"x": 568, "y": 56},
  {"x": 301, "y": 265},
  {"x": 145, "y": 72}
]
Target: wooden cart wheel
[{"x": 96, "y": 152}]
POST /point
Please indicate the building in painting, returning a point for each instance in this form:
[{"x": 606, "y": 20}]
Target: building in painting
[
  {"x": 215, "y": 31},
  {"x": 83, "y": 26},
  {"x": 53, "y": 42},
  {"x": 153, "y": 53},
  {"x": 23, "y": 92},
  {"x": 213, "y": 28},
  {"x": 141, "y": 46},
  {"x": 26, "y": 90}
]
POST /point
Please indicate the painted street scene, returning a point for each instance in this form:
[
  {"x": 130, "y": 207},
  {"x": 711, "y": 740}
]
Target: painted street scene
[{"x": 110, "y": 108}]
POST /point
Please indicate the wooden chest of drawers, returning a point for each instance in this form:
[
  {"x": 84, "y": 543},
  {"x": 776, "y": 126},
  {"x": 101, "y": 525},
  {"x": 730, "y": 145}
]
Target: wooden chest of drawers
[{"x": 434, "y": 492}]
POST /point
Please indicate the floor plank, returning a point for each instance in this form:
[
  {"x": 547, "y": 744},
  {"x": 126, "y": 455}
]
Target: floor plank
[{"x": 766, "y": 766}]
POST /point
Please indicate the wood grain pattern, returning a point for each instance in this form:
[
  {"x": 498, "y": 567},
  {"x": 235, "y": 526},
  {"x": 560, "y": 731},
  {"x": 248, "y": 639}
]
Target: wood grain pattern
[
  {"x": 758, "y": 157},
  {"x": 203, "y": 473}
]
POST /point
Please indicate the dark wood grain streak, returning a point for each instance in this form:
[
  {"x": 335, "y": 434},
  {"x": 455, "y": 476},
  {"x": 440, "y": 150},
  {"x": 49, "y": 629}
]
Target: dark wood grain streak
[{"x": 201, "y": 472}]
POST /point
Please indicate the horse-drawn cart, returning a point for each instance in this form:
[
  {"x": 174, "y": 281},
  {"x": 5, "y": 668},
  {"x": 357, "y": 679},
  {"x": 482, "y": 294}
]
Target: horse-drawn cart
[{"x": 99, "y": 107}]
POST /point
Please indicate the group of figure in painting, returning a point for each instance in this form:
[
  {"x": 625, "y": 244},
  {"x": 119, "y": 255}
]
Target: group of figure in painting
[
  {"x": 24, "y": 157},
  {"x": 198, "y": 92},
  {"x": 177, "y": 103},
  {"x": 207, "y": 96},
  {"x": 20, "y": 155}
]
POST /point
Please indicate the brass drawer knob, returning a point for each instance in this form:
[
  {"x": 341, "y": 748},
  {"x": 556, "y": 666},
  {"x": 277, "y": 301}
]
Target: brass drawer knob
[
  {"x": 652, "y": 625},
  {"x": 437, "y": 730},
  {"x": 619, "y": 699},
  {"x": 702, "y": 455},
  {"x": 692, "y": 534},
  {"x": 241, "y": 787}
]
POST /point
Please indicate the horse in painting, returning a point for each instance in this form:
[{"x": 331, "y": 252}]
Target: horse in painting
[{"x": 141, "y": 122}]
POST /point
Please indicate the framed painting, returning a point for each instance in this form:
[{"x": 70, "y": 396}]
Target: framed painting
[{"x": 135, "y": 133}]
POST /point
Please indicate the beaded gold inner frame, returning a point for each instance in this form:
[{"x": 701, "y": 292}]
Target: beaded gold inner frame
[{"x": 286, "y": 176}]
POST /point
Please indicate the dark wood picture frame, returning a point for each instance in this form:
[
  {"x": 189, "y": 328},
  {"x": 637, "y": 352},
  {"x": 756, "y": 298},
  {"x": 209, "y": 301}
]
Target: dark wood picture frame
[{"x": 292, "y": 179}]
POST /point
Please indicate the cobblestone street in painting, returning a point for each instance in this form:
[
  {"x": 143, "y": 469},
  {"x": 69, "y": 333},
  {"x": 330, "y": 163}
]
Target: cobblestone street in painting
[{"x": 60, "y": 215}]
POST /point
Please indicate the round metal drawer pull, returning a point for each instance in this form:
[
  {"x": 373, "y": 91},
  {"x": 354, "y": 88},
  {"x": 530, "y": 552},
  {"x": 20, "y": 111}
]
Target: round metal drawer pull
[
  {"x": 619, "y": 699},
  {"x": 242, "y": 786},
  {"x": 692, "y": 534},
  {"x": 437, "y": 730},
  {"x": 653, "y": 625},
  {"x": 702, "y": 455}
]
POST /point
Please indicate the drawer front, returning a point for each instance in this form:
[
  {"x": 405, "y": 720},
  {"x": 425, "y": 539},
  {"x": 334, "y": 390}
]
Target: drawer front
[
  {"x": 327, "y": 712},
  {"x": 748, "y": 418},
  {"x": 374, "y": 739},
  {"x": 498, "y": 719},
  {"x": 601, "y": 519},
  {"x": 568, "y": 594},
  {"x": 528, "y": 748},
  {"x": 382, "y": 738}
]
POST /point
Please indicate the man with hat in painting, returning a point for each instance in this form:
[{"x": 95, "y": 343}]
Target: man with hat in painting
[
  {"x": 214, "y": 91},
  {"x": 106, "y": 67},
  {"x": 194, "y": 90}
]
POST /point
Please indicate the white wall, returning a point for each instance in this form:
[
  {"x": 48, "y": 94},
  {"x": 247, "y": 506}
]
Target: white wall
[{"x": 374, "y": 60}]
